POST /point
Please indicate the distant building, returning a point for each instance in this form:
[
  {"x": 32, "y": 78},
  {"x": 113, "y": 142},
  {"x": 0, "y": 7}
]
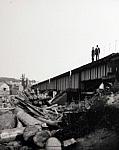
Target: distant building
[
  {"x": 15, "y": 88},
  {"x": 4, "y": 89}
]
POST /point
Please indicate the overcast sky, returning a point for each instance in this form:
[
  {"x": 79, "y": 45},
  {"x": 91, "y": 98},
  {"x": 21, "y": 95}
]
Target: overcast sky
[{"x": 44, "y": 38}]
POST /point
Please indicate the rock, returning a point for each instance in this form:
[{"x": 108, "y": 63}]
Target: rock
[
  {"x": 29, "y": 132},
  {"x": 53, "y": 144},
  {"x": 41, "y": 137},
  {"x": 7, "y": 120}
]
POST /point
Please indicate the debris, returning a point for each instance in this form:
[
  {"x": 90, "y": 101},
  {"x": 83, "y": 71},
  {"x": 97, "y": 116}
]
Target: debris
[
  {"x": 69, "y": 142},
  {"x": 51, "y": 125},
  {"x": 26, "y": 119},
  {"x": 49, "y": 122},
  {"x": 53, "y": 144},
  {"x": 60, "y": 99},
  {"x": 29, "y": 132},
  {"x": 8, "y": 135},
  {"x": 41, "y": 137},
  {"x": 7, "y": 119}
]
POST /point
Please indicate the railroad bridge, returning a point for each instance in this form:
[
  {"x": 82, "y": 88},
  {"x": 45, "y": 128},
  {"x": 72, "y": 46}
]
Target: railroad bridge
[{"x": 86, "y": 78}]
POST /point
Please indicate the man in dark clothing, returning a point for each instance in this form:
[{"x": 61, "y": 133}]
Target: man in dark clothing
[
  {"x": 97, "y": 52},
  {"x": 93, "y": 54}
]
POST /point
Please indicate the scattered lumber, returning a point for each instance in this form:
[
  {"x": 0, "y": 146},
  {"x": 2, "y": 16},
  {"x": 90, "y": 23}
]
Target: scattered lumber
[
  {"x": 60, "y": 99},
  {"x": 92, "y": 124},
  {"x": 27, "y": 119},
  {"x": 21, "y": 100},
  {"x": 49, "y": 122},
  {"x": 39, "y": 115},
  {"x": 8, "y": 135}
]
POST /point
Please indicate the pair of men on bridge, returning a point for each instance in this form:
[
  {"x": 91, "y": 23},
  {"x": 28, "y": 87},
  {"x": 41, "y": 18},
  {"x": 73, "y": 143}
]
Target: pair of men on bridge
[{"x": 95, "y": 52}]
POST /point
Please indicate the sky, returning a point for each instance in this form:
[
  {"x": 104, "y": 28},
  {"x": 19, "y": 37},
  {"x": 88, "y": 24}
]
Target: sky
[{"x": 44, "y": 38}]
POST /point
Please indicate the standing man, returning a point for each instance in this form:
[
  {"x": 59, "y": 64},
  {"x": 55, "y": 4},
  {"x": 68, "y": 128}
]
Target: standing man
[
  {"x": 93, "y": 54},
  {"x": 97, "y": 52}
]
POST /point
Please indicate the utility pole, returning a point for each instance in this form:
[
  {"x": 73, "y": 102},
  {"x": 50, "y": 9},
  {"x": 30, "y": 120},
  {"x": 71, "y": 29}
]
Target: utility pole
[{"x": 23, "y": 80}]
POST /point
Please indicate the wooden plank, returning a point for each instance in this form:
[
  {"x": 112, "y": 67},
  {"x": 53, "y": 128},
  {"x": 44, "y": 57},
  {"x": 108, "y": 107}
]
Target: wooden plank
[
  {"x": 26, "y": 118},
  {"x": 8, "y": 135}
]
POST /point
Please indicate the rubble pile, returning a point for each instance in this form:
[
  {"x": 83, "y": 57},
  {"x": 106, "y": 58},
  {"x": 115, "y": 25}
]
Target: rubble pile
[{"x": 35, "y": 122}]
